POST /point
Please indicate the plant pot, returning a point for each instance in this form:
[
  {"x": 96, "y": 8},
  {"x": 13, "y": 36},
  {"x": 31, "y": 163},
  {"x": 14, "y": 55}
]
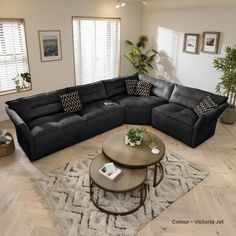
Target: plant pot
[
  {"x": 138, "y": 142},
  {"x": 228, "y": 116},
  {"x": 18, "y": 89},
  {"x": 131, "y": 144}
]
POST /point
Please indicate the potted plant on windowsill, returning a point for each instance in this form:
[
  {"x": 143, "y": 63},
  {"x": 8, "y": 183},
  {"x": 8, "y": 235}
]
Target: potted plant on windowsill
[
  {"x": 227, "y": 84},
  {"x": 22, "y": 81}
]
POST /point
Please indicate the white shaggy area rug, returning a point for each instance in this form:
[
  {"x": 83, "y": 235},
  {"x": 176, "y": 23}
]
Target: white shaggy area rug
[{"x": 66, "y": 190}]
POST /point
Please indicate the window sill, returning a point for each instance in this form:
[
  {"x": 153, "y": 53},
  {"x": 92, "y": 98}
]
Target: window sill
[{"x": 13, "y": 91}]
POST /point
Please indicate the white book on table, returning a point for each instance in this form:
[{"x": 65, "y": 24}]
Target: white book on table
[{"x": 109, "y": 171}]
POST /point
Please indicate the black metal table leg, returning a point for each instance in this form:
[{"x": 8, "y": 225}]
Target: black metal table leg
[
  {"x": 155, "y": 182},
  {"x": 143, "y": 195}
]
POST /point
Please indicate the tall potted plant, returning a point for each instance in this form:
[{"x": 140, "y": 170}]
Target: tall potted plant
[
  {"x": 227, "y": 84},
  {"x": 139, "y": 57}
]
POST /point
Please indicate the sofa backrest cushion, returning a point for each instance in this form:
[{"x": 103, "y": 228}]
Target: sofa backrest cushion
[
  {"x": 29, "y": 108},
  {"x": 117, "y": 86},
  {"x": 161, "y": 88},
  {"x": 90, "y": 92},
  {"x": 190, "y": 97}
]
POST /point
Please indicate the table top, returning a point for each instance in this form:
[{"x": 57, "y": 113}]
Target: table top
[
  {"x": 128, "y": 180},
  {"x": 115, "y": 149}
]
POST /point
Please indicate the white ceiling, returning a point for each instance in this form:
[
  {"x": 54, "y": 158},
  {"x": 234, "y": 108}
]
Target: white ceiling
[{"x": 173, "y": 4}]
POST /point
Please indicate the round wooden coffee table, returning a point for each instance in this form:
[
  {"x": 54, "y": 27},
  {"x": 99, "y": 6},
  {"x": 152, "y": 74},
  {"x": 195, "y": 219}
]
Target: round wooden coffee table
[
  {"x": 128, "y": 181},
  {"x": 141, "y": 156}
]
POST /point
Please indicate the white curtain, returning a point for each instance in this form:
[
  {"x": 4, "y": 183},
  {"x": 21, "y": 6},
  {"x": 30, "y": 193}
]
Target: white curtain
[
  {"x": 96, "y": 49},
  {"x": 13, "y": 55}
]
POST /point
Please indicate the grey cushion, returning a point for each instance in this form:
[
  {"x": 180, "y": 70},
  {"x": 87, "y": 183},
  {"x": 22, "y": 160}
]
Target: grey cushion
[
  {"x": 160, "y": 87},
  {"x": 90, "y": 92},
  {"x": 117, "y": 85},
  {"x": 38, "y": 105},
  {"x": 190, "y": 97}
]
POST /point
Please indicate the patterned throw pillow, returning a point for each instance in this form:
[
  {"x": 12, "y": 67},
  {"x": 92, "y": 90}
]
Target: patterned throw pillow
[
  {"x": 143, "y": 89},
  {"x": 131, "y": 86},
  {"x": 205, "y": 105},
  {"x": 71, "y": 102}
]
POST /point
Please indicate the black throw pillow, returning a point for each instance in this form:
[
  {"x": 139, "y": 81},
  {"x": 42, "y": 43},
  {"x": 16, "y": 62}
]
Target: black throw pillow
[
  {"x": 205, "y": 105},
  {"x": 143, "y": 89},
  {"x": 71, "y": 102},
  {"x": 131, "y": 86}
]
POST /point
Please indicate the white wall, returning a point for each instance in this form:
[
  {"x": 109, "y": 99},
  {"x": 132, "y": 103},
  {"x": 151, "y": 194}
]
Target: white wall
[
  {"x": 57, "y": 15},
  {"x": 166, "y": 28}
]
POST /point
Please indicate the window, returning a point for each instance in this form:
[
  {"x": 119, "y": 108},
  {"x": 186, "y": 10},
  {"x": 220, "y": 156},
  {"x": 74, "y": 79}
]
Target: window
[
  {"x": 96, "y": 49},
  {"x": 13, "y": 55}
]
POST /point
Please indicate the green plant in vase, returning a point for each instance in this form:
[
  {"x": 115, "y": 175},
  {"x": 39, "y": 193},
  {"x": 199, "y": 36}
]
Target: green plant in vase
[
  {"x": 139, "y": 132},
  {"x": 132, "y": 137},
  {"x": 22, "y": 81}
]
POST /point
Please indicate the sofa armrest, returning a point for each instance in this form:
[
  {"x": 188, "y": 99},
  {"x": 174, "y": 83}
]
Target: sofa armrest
[
  {"x": 24, "y": 135},
  {"x": 211, "y": 115},
  {"x": 206, "y": 124}
]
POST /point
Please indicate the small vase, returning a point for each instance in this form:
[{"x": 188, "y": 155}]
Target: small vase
[
  {"x": 131, "y": 144},
  {"x": 126, "y": 139},
  {"x": 138, "y": 142}
]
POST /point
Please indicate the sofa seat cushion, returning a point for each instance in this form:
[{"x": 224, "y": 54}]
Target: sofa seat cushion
[
  {"x": 54, "y": 123},
  {"x": 138, "y": 109},
  {"x": 57, "y": 131},
  {"x": 100, "y": 108},
  {"x": 138, "y": 101},
  {"x": 178, "y": 112},
  {"x": 101, "y": 117},
  {"x": 176, "y": 120}
]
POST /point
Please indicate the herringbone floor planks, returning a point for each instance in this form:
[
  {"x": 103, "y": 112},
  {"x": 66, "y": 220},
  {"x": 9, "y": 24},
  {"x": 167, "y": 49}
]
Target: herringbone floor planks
[{"x": 23, "y": 212}]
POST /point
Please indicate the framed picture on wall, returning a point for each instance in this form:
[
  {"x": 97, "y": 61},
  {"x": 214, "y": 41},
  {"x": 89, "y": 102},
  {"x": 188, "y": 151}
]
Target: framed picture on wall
[
  {"x": 191, "y": 42},
  {"x": 50, "y": 45},
  {"x": 210, "y": 42}
]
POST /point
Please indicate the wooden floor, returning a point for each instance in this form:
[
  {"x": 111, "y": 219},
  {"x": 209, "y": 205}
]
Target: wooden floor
[{"x": 23, "y": 212}]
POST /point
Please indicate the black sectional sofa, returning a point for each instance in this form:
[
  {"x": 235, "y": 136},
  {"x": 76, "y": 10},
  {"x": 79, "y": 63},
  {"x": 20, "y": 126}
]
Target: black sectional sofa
[{"x": 43, "y": 128}]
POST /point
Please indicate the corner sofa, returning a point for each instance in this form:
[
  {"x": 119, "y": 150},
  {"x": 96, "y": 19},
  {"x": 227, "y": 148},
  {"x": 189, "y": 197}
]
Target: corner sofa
[{"x": 43, "y": 128}]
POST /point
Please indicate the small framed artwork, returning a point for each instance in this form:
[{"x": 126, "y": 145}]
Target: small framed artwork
[
  {"x": 210, "y": 42},
  {"x": 50, "y": 45},
  {"x": 191, "y": 42}
]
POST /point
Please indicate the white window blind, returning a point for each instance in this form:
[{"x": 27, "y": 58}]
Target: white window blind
[
  {"x": 13, "y": 55},
  {"x": 96, "y": 49}
]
